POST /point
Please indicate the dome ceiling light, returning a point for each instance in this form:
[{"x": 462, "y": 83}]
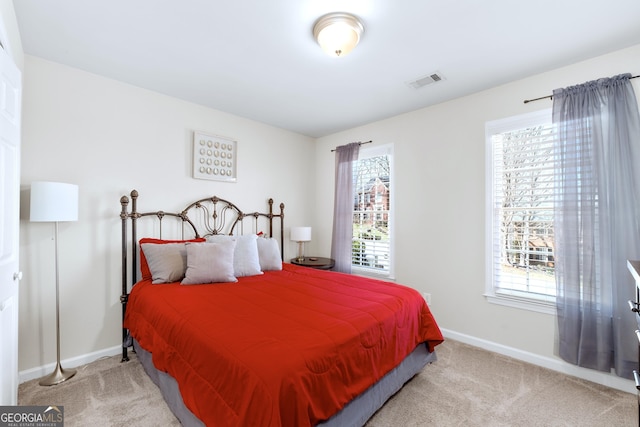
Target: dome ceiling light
[{"x": 338, "y": 33}]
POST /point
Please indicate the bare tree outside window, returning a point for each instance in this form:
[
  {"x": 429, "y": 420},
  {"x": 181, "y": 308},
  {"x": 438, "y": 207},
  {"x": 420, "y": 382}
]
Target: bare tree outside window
[{"x": 523, "y": 197}]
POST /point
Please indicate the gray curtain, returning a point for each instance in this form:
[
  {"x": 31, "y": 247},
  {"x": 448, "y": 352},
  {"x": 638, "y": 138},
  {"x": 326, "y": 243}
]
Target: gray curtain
[
  {"x": 342, "y": 236},
  {"x": 596, "y": 226}
]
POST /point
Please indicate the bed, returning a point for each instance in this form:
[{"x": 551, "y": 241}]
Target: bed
[{"x": 234, "y": 336}]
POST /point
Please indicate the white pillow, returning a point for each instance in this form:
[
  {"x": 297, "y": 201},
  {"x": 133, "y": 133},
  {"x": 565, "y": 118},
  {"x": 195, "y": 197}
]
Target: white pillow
[
  {"x": 209, "y": 263},
  {"x": 269, "y": 254},
  {"x": 167, "y": 262},
  {"x": 245, "y": 257}
]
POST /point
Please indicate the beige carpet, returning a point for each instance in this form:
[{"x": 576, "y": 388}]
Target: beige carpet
[
  {"x": 467, "y": 386},
  {"x": 104, "y": 393}
]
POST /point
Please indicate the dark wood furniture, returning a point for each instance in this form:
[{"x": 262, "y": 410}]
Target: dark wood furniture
[
  {"x": 315, "y": 262},
  {"x": 634, "y": 268}
]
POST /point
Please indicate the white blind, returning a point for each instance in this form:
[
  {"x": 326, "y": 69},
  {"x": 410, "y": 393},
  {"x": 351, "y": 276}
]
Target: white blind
[{"x": 523, "y": 189}]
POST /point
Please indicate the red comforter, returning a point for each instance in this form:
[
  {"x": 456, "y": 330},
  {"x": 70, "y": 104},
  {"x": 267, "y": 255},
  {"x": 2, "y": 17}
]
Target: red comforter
[{"x": 286, "y": 348}]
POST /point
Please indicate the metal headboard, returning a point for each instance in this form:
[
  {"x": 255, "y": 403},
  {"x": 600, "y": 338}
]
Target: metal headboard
[{"x": 202, "y": 218}]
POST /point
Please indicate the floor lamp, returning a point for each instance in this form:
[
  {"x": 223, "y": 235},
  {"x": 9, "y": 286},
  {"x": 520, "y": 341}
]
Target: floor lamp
[{"x": 55, "y": 202}]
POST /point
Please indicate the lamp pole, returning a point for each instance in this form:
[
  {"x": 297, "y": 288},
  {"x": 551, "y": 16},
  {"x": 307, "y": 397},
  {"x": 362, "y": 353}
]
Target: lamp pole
[{"x": 59, "y": 374}]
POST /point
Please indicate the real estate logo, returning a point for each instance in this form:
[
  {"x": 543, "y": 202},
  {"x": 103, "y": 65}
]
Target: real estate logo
[{"x": 31, "y": 416}]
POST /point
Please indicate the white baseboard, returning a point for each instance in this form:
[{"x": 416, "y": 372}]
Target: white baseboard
[
  {"x": 558, "y": 365},
  {"x": 74, "y": 362}
]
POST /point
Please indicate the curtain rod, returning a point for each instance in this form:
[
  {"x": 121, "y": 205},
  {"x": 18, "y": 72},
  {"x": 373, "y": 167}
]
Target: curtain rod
[
  {"x": 359, "y": 143},
  {"x": 526, "y": 101}
]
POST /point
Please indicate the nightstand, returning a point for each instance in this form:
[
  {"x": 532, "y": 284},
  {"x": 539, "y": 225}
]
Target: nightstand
[{"x": 315, "y": 262}]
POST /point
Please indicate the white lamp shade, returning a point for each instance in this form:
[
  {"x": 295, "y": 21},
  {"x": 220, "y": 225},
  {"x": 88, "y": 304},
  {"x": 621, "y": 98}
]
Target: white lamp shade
[
  {"x": 301, "y": 234},
  {"x": 53, "y": 202}
]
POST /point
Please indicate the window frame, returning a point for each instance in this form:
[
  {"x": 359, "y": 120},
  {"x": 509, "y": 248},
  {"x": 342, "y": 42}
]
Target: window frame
[
  {"x": 374, "y": 151},
  {"x": 523, "y": 299}
]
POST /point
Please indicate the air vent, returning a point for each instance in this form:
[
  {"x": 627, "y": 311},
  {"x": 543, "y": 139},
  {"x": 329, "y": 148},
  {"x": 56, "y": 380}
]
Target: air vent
[{"x": 426, "y": 80}]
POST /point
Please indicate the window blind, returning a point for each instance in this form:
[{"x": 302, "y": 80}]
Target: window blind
[{"x": 523, "y": 195}]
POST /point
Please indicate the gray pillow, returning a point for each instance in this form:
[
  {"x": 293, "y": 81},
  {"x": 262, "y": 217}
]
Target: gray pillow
[
  {"x": 269, "y": 254},
  {"x": 167, "y": 262},
  {"x": 245, "y": 257},
  {"x": 209, "y": 263}
]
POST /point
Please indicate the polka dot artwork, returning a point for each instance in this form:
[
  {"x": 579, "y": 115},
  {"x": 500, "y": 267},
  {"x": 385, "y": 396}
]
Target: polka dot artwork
[{"x": 214, "y": 157}]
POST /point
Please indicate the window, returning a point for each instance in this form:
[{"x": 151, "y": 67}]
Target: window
[
  {"x": 520, "y": 239},
  {"x": 372, "y": 211}
]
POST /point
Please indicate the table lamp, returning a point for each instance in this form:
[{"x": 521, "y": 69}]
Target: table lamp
[{"x": 301, "y": 235}]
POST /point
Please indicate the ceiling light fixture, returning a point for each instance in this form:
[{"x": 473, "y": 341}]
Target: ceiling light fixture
[{"x": 338, "y": 33}]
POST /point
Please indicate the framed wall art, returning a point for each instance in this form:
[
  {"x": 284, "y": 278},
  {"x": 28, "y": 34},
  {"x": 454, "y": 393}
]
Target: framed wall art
[{"x": 214, "y": 157}]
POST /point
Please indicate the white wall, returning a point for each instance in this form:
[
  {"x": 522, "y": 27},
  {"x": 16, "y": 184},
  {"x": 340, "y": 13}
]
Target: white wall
[
  {"x": 110, "y": 138},
  {"x": 440, "y": 199}
]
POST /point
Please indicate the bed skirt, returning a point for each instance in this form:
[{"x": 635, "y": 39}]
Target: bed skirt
[{"x": 355, "y": 413}]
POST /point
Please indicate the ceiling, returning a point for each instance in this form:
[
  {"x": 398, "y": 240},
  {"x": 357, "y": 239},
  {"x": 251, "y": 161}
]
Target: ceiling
[{"x": 258, "y": 59}]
